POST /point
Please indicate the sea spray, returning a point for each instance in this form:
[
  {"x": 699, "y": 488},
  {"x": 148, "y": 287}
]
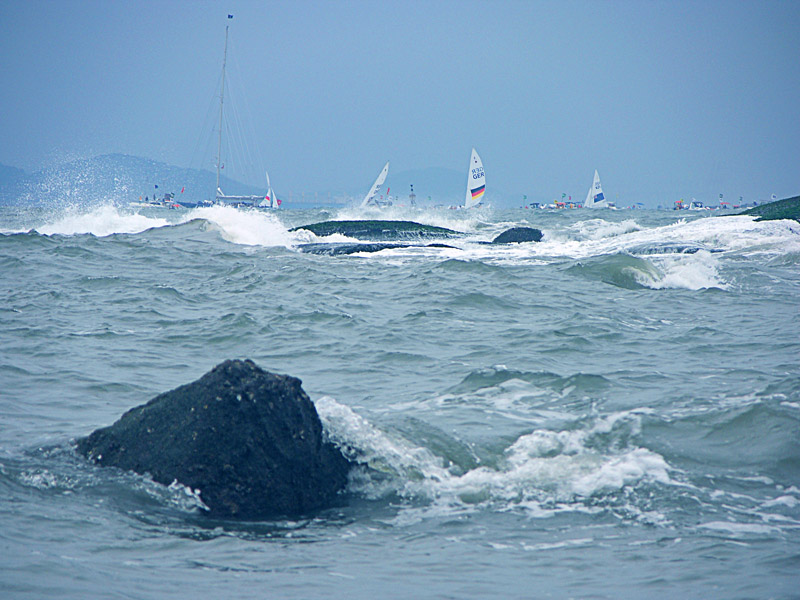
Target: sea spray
[
  {"x": 244, "y": 227},
  {"x": 544, "y": 466},
  {"x": 100, "y": 221}
]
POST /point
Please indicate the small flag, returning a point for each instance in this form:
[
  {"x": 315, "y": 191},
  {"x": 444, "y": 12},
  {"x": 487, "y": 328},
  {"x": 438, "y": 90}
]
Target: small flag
[
  {"x": 774, "y": 197},
  {"x": 279, "y": 201},
  {"x": 230, "y": 16},
  {"x": 477, "y": 193},
  {"x": 563, "y": 196},
  {"x": 183, "y": 188},
  {"x": 156, "y": 186}
]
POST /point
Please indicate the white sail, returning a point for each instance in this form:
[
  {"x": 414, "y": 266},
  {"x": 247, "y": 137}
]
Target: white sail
[
  {"x": 270, "y": 200},
  {"x": 377, "y": 185},
  {"x": 476, "y": 181},
  {"x": 595, "y": 197}
]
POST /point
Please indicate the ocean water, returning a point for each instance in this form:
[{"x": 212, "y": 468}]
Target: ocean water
[{"x": 613, "y": 412}]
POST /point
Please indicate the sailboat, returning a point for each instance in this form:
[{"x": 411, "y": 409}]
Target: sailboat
[
  {"x": 595, "y": 197},
  {"x": 476, "y": 181},
  {"x": 371, "y": 197},
  {"x": 266, "y": 201},
  {"x": 270, "y": 199}
]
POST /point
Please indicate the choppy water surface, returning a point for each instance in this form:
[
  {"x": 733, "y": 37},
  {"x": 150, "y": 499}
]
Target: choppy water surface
[{"x": 610, "y": 413}]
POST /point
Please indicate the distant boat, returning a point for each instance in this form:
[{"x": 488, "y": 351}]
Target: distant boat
[
  {"x": 168, "y": 201},
  {"x": 372, "y": 196},
  {"x": 595, "y": 197},
  {"x": 476, "y": 181},
  {"x": 696, "y": 205},
  {"x": 270, "y": 200}
]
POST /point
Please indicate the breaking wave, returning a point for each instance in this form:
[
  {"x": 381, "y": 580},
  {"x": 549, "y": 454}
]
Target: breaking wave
[
  {"x": 100, "y": 221},
  {"x": 541, "y": 471}
]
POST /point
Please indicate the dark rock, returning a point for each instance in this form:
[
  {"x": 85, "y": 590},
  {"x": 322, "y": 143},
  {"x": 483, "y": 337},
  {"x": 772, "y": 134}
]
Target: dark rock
[
  {"x": 251, "y": 441},
  {"x": 518, "y": 234},
  {"x": 789, "y": 208},
  {"x": 380, "y": 230},
  {"x": 670, "y": 248},
  {"x": 344, "y": 248}
]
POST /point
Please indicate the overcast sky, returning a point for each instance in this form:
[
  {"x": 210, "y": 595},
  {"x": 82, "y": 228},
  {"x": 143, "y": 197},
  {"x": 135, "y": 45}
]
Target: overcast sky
[{"x": 665, "y": 99}]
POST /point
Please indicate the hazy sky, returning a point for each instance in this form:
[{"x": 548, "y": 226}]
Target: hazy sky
[{"x": 665, "y": 99}]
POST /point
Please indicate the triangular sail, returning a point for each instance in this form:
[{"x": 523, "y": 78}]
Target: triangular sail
[
  {"x": 376, "y": 186},
  {"x": 271, "y": 194},
  {"x": 595, "y": 197},
  {"x": 476, "y": 181},
  {"x": 270, "y": 200}
]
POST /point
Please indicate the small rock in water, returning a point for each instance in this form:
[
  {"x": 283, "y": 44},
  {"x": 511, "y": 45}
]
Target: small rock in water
[
  {"x": 518, "y": 234},
  {"x": 250, "y": 441}
]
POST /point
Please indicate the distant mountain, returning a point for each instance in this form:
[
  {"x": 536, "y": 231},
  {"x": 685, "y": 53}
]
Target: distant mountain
[{"x": 112, "y": 177}]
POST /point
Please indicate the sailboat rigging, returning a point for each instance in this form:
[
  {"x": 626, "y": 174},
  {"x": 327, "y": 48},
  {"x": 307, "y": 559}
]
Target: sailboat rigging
[{"x": 262, "y": 201}]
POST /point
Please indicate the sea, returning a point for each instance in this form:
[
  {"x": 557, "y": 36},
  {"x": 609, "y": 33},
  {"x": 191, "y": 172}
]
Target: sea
[{"x": 612, "y": 412}]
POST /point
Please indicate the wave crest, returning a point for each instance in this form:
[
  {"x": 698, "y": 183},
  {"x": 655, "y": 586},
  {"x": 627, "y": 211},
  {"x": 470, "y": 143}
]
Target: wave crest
[{"x": 542, "y": 468}]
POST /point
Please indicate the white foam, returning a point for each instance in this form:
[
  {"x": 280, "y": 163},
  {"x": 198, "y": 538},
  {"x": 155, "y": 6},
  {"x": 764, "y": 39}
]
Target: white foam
[
  {"x": 366, "y": 444},
  {"x": 721, "y": 233},
  {"x": 246, "y": 227},
  {"x": 41, "y": 479},
  {"x": 597, "y": 229},
  {"x": 185, "y": 497},
  {"x": 789, "y": 501},
  {"x": 100, "y": 221},
  {"x": 687, "y": 271},
  {"x": 542, "y": 466},
  {"x": 597, "y": 237},
  {"x": 738, "y": 529}
]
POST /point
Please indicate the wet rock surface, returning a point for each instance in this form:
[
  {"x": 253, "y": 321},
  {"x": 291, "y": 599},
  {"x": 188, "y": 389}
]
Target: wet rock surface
[{"x": 249, "y": 440}]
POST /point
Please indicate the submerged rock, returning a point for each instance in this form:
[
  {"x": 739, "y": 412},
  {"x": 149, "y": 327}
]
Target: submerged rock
[
  {"x": 344, "y": 248},
  {"x": 380, "y": 230},
  {"x": 250, "y": 441},
  {"x": 789, "y": 208},
  {"x": 518, "y": 234},
  {"x": 384, "y": 235}
]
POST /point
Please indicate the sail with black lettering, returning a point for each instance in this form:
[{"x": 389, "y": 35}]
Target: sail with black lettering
[
  {"x": 595, "y": 197},
  {"x": 476, "y": 181}
]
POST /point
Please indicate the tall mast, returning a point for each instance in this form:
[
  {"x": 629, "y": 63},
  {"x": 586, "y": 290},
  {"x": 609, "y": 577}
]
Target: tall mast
[{"x": 221, "y": 99}]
